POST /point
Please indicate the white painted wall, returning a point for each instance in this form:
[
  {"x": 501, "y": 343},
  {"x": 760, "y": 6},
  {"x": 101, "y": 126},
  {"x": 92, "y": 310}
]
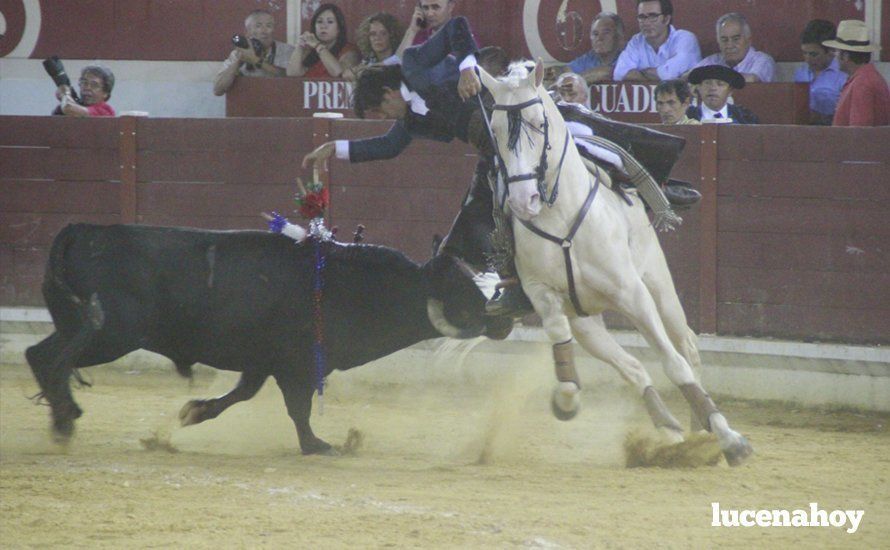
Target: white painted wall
[{"x": 162, "y": 88}]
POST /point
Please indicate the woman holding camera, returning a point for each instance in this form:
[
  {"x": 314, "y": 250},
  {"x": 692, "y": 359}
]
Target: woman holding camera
[
  {"x": 96, "y": 83},
  {"x": 324, "y": 51}
]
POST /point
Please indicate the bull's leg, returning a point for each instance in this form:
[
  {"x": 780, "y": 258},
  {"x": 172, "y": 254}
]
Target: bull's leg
[
  {"x": 50, "y": 367},
  {"x": 637, "y": 304},
  {"x": 199, "y": 410},
  {"x": 298, "y": 398},
  {"x": 591, "y": 333},
  {"x": 566, "y": 399}
]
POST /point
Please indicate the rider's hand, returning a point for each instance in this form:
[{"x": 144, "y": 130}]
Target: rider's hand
[
  {"x": 248, "y": 56},
  {"x": 320, "y": 155},
  {"x": 469, "y": 84}
]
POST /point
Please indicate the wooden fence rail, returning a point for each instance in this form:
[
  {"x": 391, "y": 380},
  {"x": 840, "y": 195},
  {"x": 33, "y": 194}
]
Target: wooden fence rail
[{"x": 790, "y": 239}]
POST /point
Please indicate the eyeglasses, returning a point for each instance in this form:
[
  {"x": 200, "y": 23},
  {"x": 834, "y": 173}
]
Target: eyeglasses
[
  {"x": 648, "y": 16},
  {"x": 91, "y": 84}
]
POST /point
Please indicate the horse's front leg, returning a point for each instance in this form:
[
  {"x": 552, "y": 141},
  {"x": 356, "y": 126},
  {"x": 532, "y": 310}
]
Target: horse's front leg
[{"x": 549, "y": 305}]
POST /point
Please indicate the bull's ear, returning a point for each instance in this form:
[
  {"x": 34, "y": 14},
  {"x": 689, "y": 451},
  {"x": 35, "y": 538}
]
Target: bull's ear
[
  {"x": 488, "y": 81},
  {"x": 539, "y": 73}
]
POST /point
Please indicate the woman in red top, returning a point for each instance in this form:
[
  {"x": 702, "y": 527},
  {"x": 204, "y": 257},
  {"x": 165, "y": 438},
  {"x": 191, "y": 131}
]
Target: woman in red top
[{"x": 324, "y": 52}]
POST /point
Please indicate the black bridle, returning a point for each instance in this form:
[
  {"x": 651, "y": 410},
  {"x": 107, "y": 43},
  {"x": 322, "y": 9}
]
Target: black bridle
[
  {"x": 515, "y": 126},
  {"x": 515, "y": 123}
]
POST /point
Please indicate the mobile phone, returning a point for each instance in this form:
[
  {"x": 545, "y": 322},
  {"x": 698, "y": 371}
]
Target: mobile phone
[{"x": 421, "y": 22}]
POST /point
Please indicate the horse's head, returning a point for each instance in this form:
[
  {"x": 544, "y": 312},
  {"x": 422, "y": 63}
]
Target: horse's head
[{"x": 523, "y": 133}]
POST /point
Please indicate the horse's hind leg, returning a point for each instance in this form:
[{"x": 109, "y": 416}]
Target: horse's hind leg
[
  {"x": 199, "y": 410},
  {"x": 591, "y": 333},
  {"x": 637, "y": 304},
  {"x": 658, "y": 280}
]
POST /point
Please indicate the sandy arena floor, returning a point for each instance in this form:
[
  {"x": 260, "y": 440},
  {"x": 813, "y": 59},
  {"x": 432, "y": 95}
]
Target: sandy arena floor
[{"x": 470, "y": 463}]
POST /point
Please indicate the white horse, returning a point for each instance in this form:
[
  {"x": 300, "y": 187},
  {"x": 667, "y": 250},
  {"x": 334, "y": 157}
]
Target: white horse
[{"x": 580, "y": 250}]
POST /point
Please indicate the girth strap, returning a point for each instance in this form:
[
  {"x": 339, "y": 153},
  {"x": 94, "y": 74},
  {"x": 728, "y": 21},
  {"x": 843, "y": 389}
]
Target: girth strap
[{"x": 566, "y": 244}]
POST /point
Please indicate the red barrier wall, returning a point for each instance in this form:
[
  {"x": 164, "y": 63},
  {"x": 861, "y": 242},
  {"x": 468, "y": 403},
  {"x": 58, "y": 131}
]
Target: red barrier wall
[{"x": 789, "y": 240}]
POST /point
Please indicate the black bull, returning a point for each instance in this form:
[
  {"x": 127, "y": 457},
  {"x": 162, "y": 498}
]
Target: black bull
[{"x": 241, "y": 301}]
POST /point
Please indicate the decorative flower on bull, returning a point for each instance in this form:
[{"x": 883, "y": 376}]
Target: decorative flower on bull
[{"x": 312, "y": 199}]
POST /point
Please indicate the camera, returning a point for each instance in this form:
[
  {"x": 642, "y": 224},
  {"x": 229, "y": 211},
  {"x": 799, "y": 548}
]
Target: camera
[
  {"x": 242, "y": 42},
  {"x": 56, "y": 71}
]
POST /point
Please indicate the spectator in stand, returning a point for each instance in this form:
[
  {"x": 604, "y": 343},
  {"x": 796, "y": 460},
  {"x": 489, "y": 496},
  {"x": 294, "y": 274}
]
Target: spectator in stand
[
  {"x": 820, "y": 70},
  {"x": 606, "y": 43},
  {"x": 572, "y": 88},
  {"x": 324, "y": 51},
  {"x": 865, "y": 98},
  {"x": 96, "y": 83},
  {"x": 672, "y": 99},
  {"x": 259, "y": 25},
  {"x": 715, "y": 86},
  {"x": 736, "y": 52},
  {"x": 380, "y": 40},
  {"x": 659, "y": 51},
  {"x": 429, "y": 16}
]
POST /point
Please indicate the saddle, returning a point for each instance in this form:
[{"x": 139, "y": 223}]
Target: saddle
[{"x": 656, "y": 151}]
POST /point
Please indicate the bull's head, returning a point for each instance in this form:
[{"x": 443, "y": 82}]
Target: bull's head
[{"x": 455, "y": 305}]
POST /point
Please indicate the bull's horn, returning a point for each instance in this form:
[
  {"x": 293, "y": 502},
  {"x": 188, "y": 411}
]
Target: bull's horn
[{"x": 435, "y": 310}]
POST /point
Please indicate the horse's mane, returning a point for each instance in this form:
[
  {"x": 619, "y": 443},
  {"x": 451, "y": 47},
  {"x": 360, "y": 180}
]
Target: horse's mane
[{"x": 517, "y": 72}]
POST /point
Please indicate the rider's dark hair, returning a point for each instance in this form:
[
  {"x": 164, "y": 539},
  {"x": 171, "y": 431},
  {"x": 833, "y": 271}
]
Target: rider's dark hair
[{"x": 371, "y": 85}]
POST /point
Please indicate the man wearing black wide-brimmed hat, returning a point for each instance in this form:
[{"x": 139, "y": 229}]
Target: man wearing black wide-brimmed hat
[
  {"x": 714, "y": 86},
  {"x": 865, "y": 97}
]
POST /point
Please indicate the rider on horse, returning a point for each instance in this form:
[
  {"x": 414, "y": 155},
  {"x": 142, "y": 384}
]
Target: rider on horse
[{"x": 429, "y": 94}]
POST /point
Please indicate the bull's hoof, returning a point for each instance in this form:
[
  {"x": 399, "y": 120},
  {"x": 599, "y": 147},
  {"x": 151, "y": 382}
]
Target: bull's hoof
[
  {"x": 318, "y": 447},
  {"x": 193, "y": 412},
  {"x": 63, "y": 417},
  {"x": 62, "y": 431},
  {"x": 738, "y": 452},
  {"x": 565, "y": 407}
]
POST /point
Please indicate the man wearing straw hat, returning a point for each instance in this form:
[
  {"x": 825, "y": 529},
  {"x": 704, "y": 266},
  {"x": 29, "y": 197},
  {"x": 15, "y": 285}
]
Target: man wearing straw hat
[{"x": 865, "y": 97}]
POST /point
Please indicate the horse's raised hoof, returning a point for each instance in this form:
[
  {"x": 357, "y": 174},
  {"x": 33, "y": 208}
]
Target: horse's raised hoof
[
  {"x": 192, "y": 412},
  {"x": 738, "y": 452},
  {"x": 318, "y": 447},
  {"x": 564, "y": 407}
]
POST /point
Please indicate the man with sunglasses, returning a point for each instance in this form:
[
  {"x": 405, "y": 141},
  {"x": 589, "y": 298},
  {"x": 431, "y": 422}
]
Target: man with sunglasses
[
  {"x": 96, "y": 83},
  {"x": 659, "y": 51}
]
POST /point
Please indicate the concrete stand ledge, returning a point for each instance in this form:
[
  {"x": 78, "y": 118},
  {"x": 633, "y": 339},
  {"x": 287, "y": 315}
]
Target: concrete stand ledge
[{"x": 810, "y": 374}]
